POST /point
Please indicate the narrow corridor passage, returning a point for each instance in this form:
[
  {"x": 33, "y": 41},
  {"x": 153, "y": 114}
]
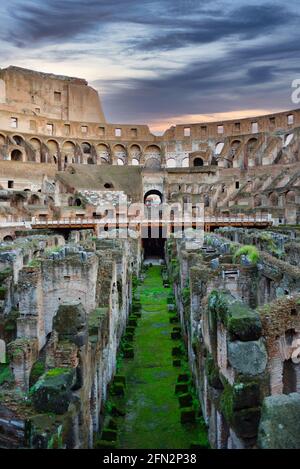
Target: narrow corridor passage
[{"x": 153, "y": 414}]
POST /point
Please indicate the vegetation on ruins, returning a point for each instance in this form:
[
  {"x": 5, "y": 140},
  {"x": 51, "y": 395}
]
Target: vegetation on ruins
[{"x": 251, "y": 252}]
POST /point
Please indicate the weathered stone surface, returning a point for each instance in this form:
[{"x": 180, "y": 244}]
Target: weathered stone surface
[
  {"x": 52, "y": 392},
  {"x": 248, "y": 358},
  {"x": 279, "y": 426}
]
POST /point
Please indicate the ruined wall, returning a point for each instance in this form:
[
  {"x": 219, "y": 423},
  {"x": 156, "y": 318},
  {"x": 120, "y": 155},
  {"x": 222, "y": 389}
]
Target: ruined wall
[
  {"x": 242, "y": 347},
  {"x": 72, "y": 307}
]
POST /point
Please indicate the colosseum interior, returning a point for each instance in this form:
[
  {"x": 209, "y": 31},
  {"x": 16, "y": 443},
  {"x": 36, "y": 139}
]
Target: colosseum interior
[{"x": 122, "y": 341}]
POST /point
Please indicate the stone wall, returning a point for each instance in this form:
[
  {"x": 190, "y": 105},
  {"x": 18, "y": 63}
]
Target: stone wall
[{"x": 242, "y": 347}]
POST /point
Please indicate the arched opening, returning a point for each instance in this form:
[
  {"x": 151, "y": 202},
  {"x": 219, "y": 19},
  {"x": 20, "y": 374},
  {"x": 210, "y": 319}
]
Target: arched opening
[
  {"x": 251, "y": 145},
  {"x": 120, "y": 155},
  {"x": 34, "y": 200},
  {"x": 103, "y": 153},
  {"x": 153, "y": 151},
  {"x": 219, "y": 148},
  {"x": 35, "y": 153},
  {"x": 17, "y": 201},
  {"x": 86, "y": 148},
  {"x": 18, "y": 140},
  {"x": 135, "y": 155},
  {"x": 198, "y": 162},
  {"x": 8, "y": 239},
  {"x": 288, "y": 139},
  {"x": 235, "y": 145},
  {"x": 153, "y": 237},
  {"x": 153, "y": 198},
  {"x": 108, "y": 185},
  {"x": 290, "y": 197},
  {"x": 68, "y": 151},
  {"x": 16, "y": 155},
  {"x": 90, "y": 160},
  {"x": 171, "y": 163},
  {"x": 78, "y": 203},
  {"x": 53, "y": 150},
  {"x": 153, "y": 157}
]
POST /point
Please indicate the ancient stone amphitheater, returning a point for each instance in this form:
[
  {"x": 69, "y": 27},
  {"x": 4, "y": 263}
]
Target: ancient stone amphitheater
[{"x": 138, "y": 342}]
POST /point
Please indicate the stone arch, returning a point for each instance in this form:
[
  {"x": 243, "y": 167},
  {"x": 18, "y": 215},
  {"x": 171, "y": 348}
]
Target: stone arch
[
  {"x": 18, "y": 140},
  {"x": 2, "y": 140},
  {"x": 34, "y": 200},
  {"x": 198, "y": 161},
  {"x": 290, "y": 197},
  {"x": 153, "y": 152},
  {"x": 171, "y": 163},
  {"x": 17, "y": 201},
  {"x": 151, "y": 196},
  {"x": 8, "y": 239},
  {"x": 251, "y": 145},
  {"x": 234, "y": 146},
  {"x": 86, "y": 148},
  {"x": 135, "y": 154},
  {"x": 288, "y": 139},
  {"x": 68, "y": 151},
  {"x": 53, "y": 148},
  {"x": 103, "y": 152},
  {"x": 218, "y": 148},
  {"x": 16, "y": 155},
  {"x": 120, "y": 154},
  {"x": 36, "y": 145}
]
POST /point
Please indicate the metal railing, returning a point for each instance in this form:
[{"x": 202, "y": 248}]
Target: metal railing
[{"x": 115, "y": 221}]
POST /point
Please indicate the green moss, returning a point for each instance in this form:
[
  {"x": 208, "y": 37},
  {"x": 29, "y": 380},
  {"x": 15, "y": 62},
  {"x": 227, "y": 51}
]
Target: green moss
[
  {"x": 250, "y": 251},
  {"x": 56, "y": 372},
  {"x": 35, "y": 263},
  {"x": 3, "y": 292},
  {"x": 217, "y": 305},
  {"x": 152, "y": 408},
  {"x": 4, "y": 274},
  {"x": 226, "y": 402},
  {"x": 6, "y": 375},
  {"x": 212, "y": 372},
  {"x": 37, "y": 371}
]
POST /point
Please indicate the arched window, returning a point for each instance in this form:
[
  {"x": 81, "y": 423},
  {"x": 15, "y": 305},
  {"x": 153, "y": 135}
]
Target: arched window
[
  {"x": 153, "y": 198},
  {"x": 171, "y": 163},
  {"x": 198, "y": 162},
  {"x": 16, "y": 155},
  {"x": 86, "y": 148}
]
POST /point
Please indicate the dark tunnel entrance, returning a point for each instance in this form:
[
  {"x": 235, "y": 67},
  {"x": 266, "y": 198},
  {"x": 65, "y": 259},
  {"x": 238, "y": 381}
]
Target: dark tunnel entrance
[
  {"x": 154, "y": 248},
  {"x": 153, "y": 242}
]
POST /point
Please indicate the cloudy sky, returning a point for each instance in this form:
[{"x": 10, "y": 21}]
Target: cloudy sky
[{"x": 162, "y": 62}]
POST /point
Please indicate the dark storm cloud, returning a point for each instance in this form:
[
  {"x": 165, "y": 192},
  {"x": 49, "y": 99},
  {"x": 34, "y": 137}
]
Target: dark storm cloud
[
  {"x": 256, "y": 56},
  {"x": 217, "y": 85},
  {"x": 246, "y": 22},
  {"x": 174, "y": 23}
]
